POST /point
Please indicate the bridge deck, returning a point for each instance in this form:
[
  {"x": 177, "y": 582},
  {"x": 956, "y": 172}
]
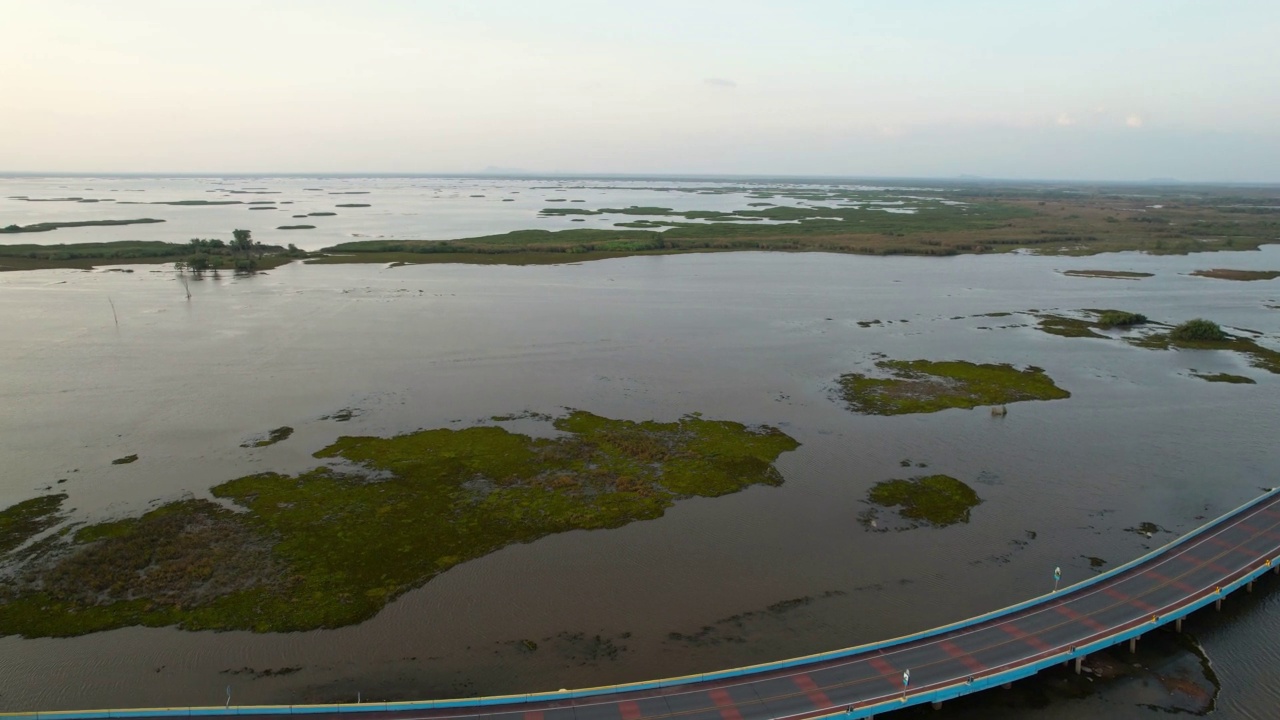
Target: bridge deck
[{"x": 1016, "y": 642}]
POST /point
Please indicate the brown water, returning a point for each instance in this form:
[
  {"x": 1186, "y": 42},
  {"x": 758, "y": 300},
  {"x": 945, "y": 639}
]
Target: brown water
[{"x": 752, "y": 337}]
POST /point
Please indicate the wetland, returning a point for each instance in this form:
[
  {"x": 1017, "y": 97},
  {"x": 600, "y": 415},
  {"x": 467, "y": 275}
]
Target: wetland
[{"x": 383, "y": 381}]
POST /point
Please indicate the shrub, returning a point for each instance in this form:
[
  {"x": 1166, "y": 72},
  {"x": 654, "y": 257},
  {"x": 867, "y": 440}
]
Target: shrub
[
  {"x": 1120, "y": 318},
  {"x": 1198, "y": 330}
]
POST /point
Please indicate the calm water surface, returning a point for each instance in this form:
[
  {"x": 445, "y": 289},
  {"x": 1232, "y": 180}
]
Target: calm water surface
[{"x": 752, "y": 337}]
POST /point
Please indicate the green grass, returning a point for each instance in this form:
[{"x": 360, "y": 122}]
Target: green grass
[
  {"x": 90, "y": 255},
  {"x": 330, "y": 547},
  {"x": 935, "y": 500},
  {"x": 924, "y": 386},
  {"x": 1065, "y": 326}
]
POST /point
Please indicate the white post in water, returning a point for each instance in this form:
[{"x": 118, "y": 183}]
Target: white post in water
[
  {"x": 1057, "y": 575},
  {"x": 906, "y": 680},
  {"x": 228, "y": 696}
]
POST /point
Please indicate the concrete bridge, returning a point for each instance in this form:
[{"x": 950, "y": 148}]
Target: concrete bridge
[{"x": 1199, "y": 569}]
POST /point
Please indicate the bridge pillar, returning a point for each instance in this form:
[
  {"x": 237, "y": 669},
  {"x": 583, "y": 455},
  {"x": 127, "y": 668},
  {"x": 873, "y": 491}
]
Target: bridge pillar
[
  {"x": 1079, "y": 664},
  {"x": 1133, "y": 644},
  {"x": 1249, "y": 587},
  {"x": 1007, "y": 686},
  {"x": 1217, "y": 604},
  {"x": 937, "y": 704},
  {"x": 1177, "y": 625},
  {"x": 1276, "y": 569}
]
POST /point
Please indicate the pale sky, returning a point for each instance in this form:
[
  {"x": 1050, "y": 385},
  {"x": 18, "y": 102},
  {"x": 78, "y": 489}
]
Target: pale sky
[{"x": 1088, "y": 89}]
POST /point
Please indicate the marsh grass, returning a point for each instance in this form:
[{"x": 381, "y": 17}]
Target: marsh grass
[
  {"x": 924, "y": 386},
  {"x": 934, "y": 500},
  {"x": 330, "y": 547}
]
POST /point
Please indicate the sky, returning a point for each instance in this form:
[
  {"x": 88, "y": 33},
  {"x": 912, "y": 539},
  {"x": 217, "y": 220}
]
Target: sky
[{"x": 1054, "y": 89}]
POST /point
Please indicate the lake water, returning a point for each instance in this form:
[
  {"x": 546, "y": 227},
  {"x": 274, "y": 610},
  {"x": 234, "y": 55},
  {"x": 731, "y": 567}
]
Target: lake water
[{"x": 751, "y": 337}]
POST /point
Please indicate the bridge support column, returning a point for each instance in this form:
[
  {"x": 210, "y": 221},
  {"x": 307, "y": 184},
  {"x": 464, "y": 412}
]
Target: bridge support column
[
  {"x": 1007, "y": 686},
  {"x": 1217, "y": 604},
  {"x": 1249, "y": 587},
  {"x": 937, "y": 705},
  {"x": 1079, "y": 664},
  {"x": 1177, "y": 625},
  {"x": 1276, "y": 569}
]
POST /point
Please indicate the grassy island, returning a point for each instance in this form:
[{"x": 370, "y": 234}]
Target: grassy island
[
  {"x": 936, "y": 500},
  {"x": 332, "y": 546},
  {"x": 1245, "y": 275},
  {"x": 1201, "y": 334},
  {"x": 924, "y": 386},
  {"x": 1112, "y": 274}
]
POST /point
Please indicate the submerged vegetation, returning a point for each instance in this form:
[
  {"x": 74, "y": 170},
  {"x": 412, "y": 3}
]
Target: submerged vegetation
[
  {"x": 332, "y": 546},
  {"x": 1087, "y": 326},
  {"x": 924, "y": 386},
  {"x": 280, "y": 434},
  {"x": 934, "y": 500},
  {"x": 1224, "y": 378}
]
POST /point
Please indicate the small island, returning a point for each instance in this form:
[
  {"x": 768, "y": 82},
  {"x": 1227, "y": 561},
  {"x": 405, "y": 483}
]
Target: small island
[
  {"x": 332, "y": 546},
  {"x": 925, "y": 386},
  {"x": 932, "y": 501}
]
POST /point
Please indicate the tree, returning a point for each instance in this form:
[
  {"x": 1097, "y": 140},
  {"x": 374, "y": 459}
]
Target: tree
[
  {"x": 198, "y": 263},
  {"x": 242, "y": 242},
  {"x": 1198, "y": 330}
]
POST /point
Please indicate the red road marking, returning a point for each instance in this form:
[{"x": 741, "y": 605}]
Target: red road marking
[
  {"x": 969, "y": 661},
  {"x": 533, "y": 715},
  {"x": 629, "y": 710},
  {"x": 728, "y": 708},
  {"x": 1031, "y": 640},
  {"x": 1146, "y": 607},
  {"x": 810, "y": 688},
  {"x": 1235, "y": 548},
  {"x": 1082, "y": 619},
  {"x": 1209, "y": 564},
  {"x": 886, "y": 670},
  {"x": 1184, "y": 587}
]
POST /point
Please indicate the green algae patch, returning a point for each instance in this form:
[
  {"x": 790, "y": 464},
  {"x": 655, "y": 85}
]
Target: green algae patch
[
  {"x": 23, "y": 521},
  {"x": 126, "y": 460},
  {"x": 925, "y": 386},
  {"x": 934, "y": 500},
  {"x": 332, "y": 546}
]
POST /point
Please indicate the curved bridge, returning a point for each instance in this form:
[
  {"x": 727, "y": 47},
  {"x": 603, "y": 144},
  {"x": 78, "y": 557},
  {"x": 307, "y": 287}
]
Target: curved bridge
[{"x": 1162, "y": 587}]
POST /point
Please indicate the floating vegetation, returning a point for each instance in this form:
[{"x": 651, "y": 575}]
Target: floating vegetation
[
  {"x": 351, "y": 205},
  {"x": 1224, "y": 378},
  {"x": 934, "y": 500},
  {"x": 1114, "y": 274},
  {"x": 1242, "y": 275},
  {"x": 1094, "y": 562},
  {"x": 343, "y": 415},
  {"x": 19, "y": 523},
  {"x": 321, "y": 214},
  {"x": 125, "y": 460},
  {"x": 296, "y": 227},
  {"x": 332, "y": 546},
  {"x": 925, "y": 386},
  {"x": 280, "y": 434}
]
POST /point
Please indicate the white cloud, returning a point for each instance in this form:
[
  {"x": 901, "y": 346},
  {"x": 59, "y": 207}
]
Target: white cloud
[
  {"x": 1065, "y": 120},
  {"x": 1134, "y": 120}
]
